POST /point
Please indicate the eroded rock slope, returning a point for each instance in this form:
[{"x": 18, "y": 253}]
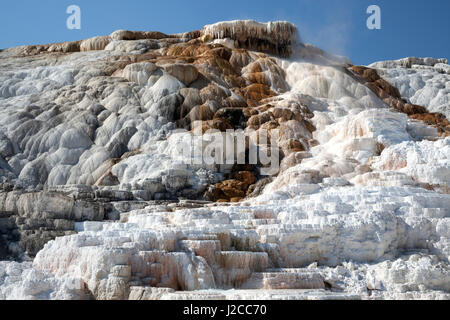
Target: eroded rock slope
[{"x": 99, "y": 194}]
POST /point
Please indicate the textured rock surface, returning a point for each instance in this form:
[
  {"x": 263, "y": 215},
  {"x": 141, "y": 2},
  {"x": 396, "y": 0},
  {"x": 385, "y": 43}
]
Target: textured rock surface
[
  {"x": 18, "y": 281},
  {"x": 28, "y": 220},
  {"x": 421, "y": 81},
  {"x": 99, "y": 191},
  {"x": 271, "y": 37},
  {"x": 392, "y": 97}
]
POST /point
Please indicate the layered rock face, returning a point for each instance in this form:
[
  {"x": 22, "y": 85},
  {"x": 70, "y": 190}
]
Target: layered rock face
[
  {"x": 272, "y": 37},
  {"x": 422, "y": 81},
  {"x": 103, "y": 193}
]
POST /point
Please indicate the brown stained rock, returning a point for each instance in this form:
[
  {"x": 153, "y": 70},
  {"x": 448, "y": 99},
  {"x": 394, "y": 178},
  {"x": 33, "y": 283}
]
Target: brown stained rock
[
  {"x": 258, "y": 188},
  {"x": 191, "y": 35},
  {"x": 233, "y": 190},
  {"x": 380, "y": 148},
  {"x": 268, "y": 126},
  {"x": 191, "y": 99},
  {"x": 65, "y": 47},
  {"x": 388, "y": 88},
  {"x": 284, "y": 114},
  {"x": 247, "y": 177},
  {"x": 216, "y": 124},
  {"x": 259, "y": 78},
  {"x": 296, "y": 145},
  {"x": 255, "y": 121},
  {"x": 138, "y": 35},
  {"x": 234, "y": 101},
  {"x": 265, "y": 119},
  {"x": 116, "y": 64},
  {"x": 186, "y": 73},
  {"x": 411, "y": 109},
  {"x": 391, "y": 95},
  {"x": 95, "y": 43},
  {"x": 162, "y": 61},
  {"x": 275, "y": 38},
  {"x": 296, "y": 130},
  {"x": 294, "y": 159},
  {"x": 266, "y": 71},
  {"x": 213, "y": 92},
  {"x": 221, "y": 52},
  {"x": 227, "y": 89},
  {"x": 202, "y": 82},
  {"x": 309, "y": 126},
  {"x": 211, "y": 64},
  {"x": 202, "y": 113},
  {"x": 379, "y": 86},
  {"x": 432, "y": 118},
  {"x": 292, "y": 121},
  {"x": 369, "y": 74},
  {"x": 264, "y": 108},
  {"x": 234, "y": 116},
  {"x": 249, "y": 112},
  {"x": 120, "y": 62},
  {"x": 437, "y": 120},
  {"x": 107, "y": 178},
  {"x": 32, "y": 50},
  {"x": 256, "y": 92},
  {"x": 254, "y": 67},
  {"x": 60, "y": 47},
  {"x": 219, "y": 70},
  {"x": 239, "y": 59},
  {"x": 193, "y": 48},
  {"x": 229, "y": 189}
]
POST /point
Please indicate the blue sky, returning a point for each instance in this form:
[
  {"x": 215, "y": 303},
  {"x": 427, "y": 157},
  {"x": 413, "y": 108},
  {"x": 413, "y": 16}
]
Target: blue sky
[{"x": 409, "y": 27}]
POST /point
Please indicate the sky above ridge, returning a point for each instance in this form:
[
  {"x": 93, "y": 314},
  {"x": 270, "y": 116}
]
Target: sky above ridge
[{"x": 408, "y": 27}]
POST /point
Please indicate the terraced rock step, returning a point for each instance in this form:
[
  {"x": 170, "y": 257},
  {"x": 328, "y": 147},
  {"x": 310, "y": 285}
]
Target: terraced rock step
[
  {"x": 282, "y": 279},
  {"x": 235, "y": 267},
  {"x": 139, "y": 293}
]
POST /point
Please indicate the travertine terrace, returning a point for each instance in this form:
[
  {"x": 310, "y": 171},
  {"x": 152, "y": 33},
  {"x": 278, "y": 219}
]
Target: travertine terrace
[{"x": 97, "y": 203}]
